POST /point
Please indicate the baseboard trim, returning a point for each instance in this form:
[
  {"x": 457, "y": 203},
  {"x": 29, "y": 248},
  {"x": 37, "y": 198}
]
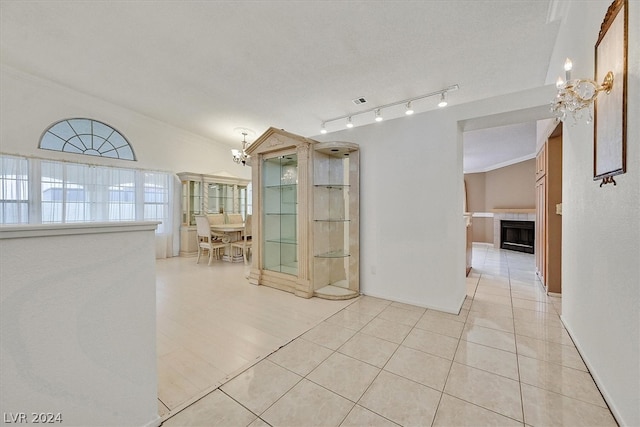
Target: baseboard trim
[
  {"x": 601, "y": 388},
  {"x": 427, "y": 306}
]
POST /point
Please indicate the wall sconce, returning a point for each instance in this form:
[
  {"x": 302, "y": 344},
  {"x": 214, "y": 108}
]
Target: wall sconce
[{"x": 578, "y": 94}]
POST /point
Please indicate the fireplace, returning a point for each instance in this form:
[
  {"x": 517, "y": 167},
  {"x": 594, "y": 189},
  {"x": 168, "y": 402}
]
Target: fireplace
[{"x": 517, "y": 235}]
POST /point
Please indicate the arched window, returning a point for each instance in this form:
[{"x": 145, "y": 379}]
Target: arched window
[{"x": 87, "y": 136}]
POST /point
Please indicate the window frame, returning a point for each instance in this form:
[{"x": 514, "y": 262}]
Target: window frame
[{"x": 81, "y": 139}]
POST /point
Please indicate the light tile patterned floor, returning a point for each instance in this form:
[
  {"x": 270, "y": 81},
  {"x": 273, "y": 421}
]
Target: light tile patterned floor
[
  {"x": 505, "y": 359},
  {"x": 212, "y": 324}
]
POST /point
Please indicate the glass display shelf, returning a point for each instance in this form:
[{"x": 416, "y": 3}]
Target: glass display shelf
[
  {"x": 284, "y": 241},
  {"x": 282, "y": 186},
  {"x": 333, "y": 254}
]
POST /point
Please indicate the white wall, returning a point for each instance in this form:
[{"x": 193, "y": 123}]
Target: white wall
[
  {"x": 78, "y": 331},
  {"x": 601, "y": 227},
  {"x": 411, "y": 210},
  {"x": 29, "y": 105},
  {"x": 412, "y": 232}
]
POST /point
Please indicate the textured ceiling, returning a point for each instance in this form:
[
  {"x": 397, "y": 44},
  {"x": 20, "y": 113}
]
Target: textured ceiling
[{"x": 212, "y": 66}]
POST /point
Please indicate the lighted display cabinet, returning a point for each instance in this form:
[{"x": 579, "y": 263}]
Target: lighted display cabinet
[
  {"x": 208, "y": 194},
  {"x": 306, "y": 215}
]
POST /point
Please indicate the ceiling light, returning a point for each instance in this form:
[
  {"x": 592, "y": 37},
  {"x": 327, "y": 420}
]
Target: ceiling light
[
  {"x": 241, "y": 157},
  {"x": 378, "y": 110},
  {"x": 409, "y": 109},
  {"x": 443, "y": 102},
  {"x": 349, "y": 123}
]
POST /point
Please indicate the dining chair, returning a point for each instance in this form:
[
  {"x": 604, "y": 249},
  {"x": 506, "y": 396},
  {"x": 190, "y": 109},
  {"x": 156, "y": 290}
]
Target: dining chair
[
  {"x": 207, "y": 239},
  {"x": 215, "y": 219},
  {"x": 234, "y": 218},
  {"x": 245, "y": 243}
]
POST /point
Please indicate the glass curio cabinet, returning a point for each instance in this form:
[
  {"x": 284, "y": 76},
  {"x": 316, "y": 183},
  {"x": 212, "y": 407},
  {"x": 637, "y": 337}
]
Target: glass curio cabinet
[{"x": 306, "y": 215}]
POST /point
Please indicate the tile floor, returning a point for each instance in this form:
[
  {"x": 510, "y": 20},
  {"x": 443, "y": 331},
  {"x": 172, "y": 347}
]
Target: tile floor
[
  {"x": 505, "y": 359},
  {"x": 212, "y": 324}
]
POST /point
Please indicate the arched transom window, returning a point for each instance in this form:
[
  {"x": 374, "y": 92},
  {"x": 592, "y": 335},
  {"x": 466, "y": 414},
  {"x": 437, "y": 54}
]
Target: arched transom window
[{"x": 87, "y": 136}]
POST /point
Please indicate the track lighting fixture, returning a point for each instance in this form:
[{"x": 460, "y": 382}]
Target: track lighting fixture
[{"x": 408, "y": 103}]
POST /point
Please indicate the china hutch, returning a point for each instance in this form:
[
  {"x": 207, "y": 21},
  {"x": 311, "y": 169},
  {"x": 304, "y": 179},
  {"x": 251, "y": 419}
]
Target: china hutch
[
  {"x": 209, "y": 194},
  {"x": 305, "y": 215}
]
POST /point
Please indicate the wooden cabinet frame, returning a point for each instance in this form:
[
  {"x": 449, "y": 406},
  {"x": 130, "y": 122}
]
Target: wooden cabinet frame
[{"x": 548, "y": 240}]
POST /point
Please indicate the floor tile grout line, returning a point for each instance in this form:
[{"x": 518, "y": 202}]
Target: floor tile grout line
[
  {"x": 482, "y": 407},
  {"x": 389, "y": 359},
  {"x": 519, "y": 384},
  {"x": 356, "y": 403},
  {"x": 274, "y": 402},
  {"x": 515, "y": 342},
  {"x": 387, "y": 362},
  {"x": 241, "y": 404},
  {"x": 446, "y": 380},
  {"x": 219, "y": 387},
  {"x": 538, "y": 283}
]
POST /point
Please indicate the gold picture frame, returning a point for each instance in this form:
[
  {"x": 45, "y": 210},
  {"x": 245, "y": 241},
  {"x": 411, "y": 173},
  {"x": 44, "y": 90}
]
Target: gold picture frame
[{"x": 610, "y": 119}]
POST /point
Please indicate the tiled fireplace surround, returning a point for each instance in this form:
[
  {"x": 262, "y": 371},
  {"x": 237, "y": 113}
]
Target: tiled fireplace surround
[{"x": 512, "y": 215}]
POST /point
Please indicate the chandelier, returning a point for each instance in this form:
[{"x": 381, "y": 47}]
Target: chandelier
[
  {"x": 577, "y": 96},
  {"x": 241, "y": 157}
]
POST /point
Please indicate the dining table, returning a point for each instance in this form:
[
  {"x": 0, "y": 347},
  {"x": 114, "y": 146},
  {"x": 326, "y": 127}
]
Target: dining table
[{"x": 231, "y": 233}]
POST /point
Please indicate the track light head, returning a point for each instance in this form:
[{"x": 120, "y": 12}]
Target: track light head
[
  {"x": 379, "y": 117},
  {"x": 349, "y": 122},
  {"x": 323, "y": 129},
  {"x": 443, "y": 101},
  {"x": 408, "y": 109}
]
